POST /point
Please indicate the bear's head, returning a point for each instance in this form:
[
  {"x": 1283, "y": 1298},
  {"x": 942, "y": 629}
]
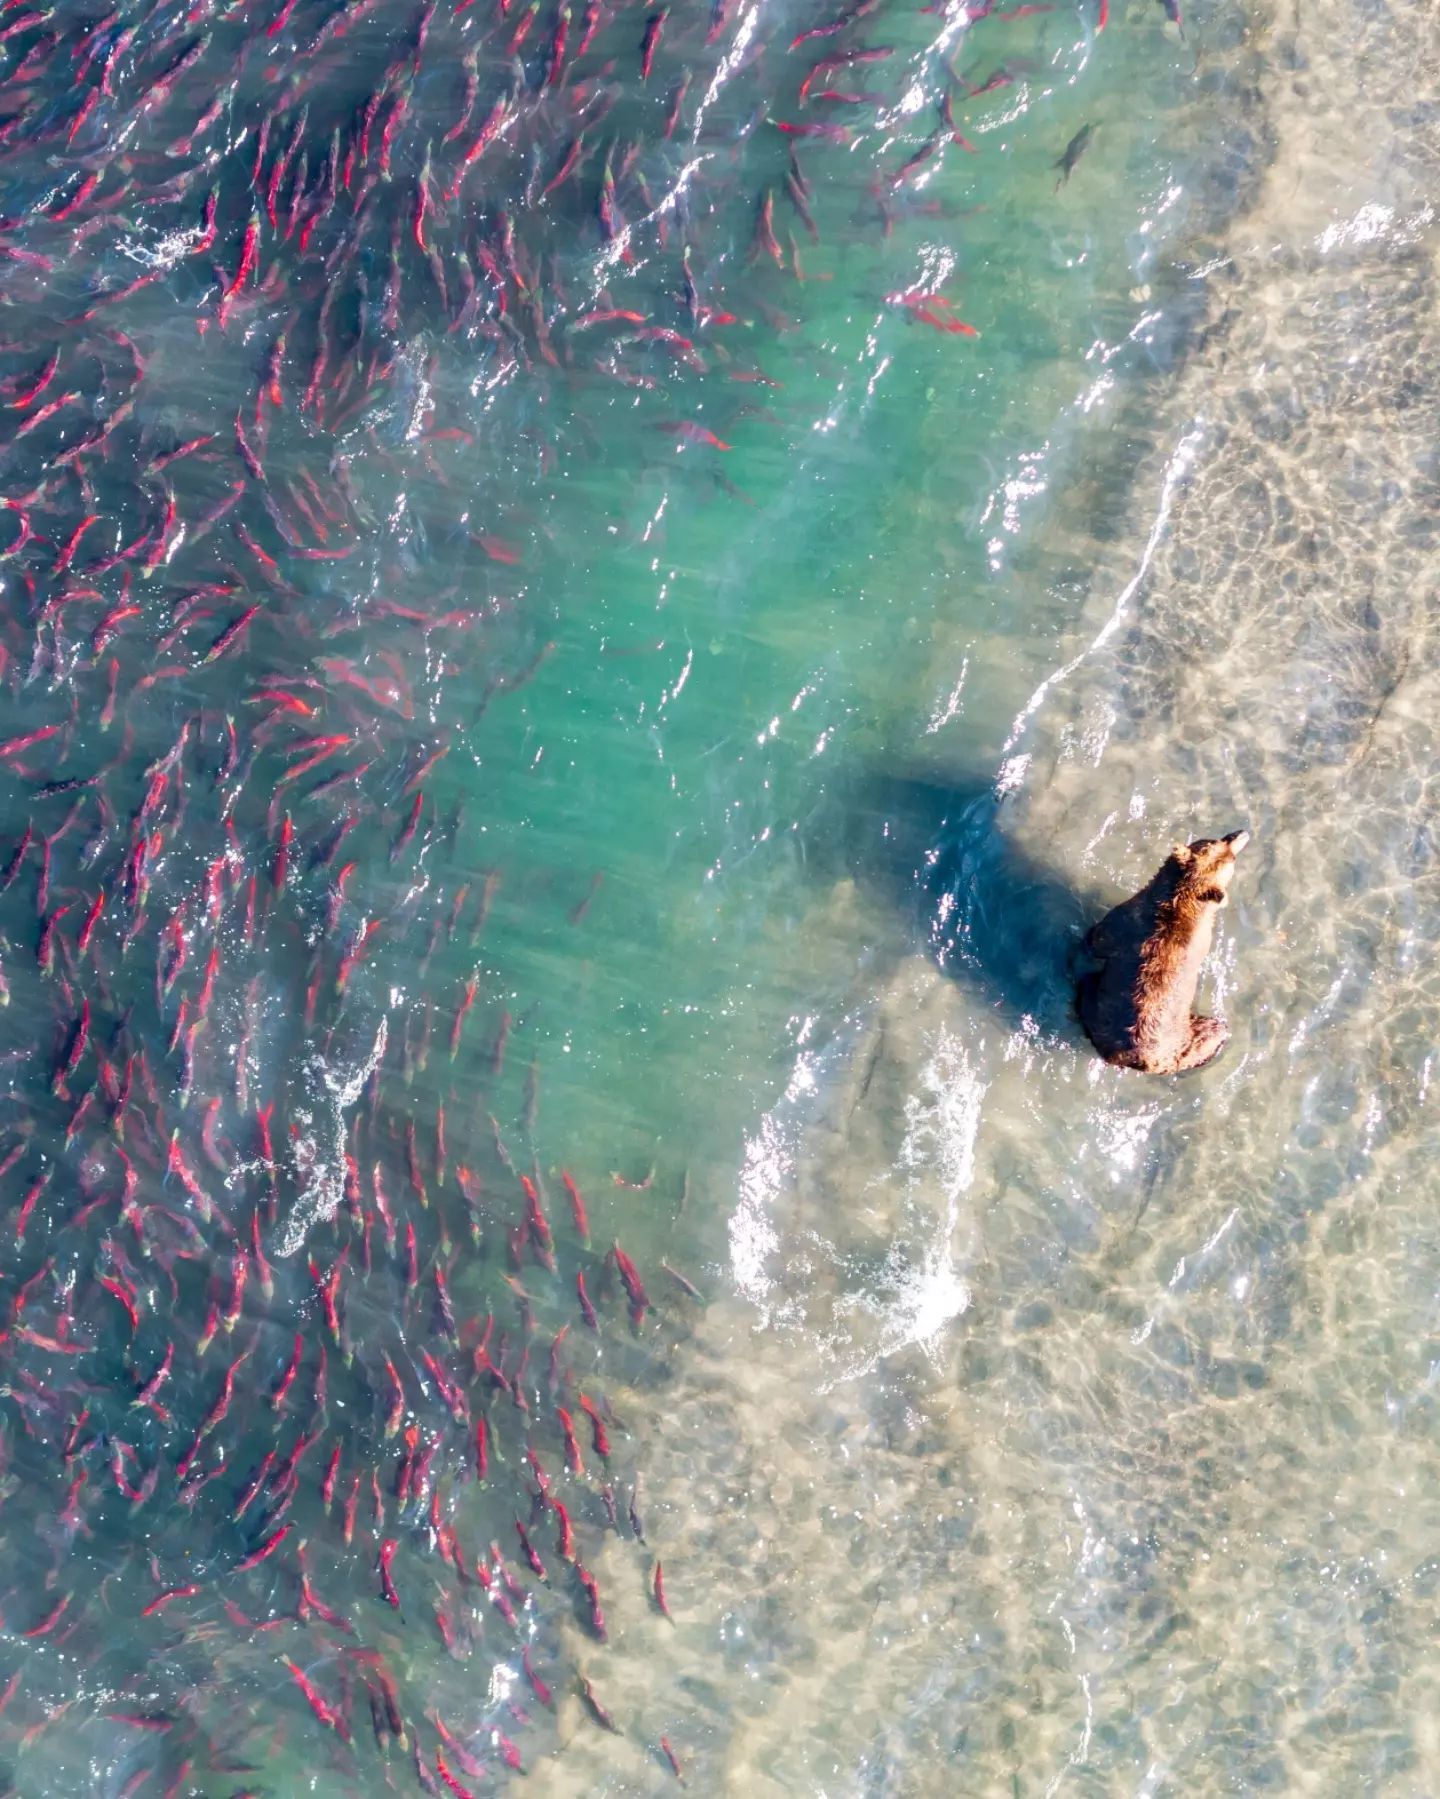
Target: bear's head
[{"x": 1207, "y": 866}]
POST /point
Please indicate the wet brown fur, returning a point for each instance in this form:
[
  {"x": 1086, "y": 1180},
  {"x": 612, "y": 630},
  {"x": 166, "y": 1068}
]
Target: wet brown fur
[{"x": 1137, "y": 1008}]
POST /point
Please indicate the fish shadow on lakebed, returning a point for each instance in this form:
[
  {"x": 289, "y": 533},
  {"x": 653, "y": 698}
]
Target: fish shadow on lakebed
[{"x": 992, "y": 916}]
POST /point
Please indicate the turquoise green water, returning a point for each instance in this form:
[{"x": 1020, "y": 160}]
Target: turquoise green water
[{"x": 730, "y": 672}]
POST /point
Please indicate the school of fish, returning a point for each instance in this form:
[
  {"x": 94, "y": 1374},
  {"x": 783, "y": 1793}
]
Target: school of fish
[{"x": 337, "y": 1393}]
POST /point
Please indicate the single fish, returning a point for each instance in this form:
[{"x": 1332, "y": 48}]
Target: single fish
[{"x": 1074, "y": 150}]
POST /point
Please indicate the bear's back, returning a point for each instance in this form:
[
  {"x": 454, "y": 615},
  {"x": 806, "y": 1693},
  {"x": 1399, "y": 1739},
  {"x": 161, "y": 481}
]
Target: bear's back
[{"x": 1136, "y": 1008}]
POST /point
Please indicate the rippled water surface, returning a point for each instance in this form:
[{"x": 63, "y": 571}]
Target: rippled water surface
[{"x": 593, "y": 600}]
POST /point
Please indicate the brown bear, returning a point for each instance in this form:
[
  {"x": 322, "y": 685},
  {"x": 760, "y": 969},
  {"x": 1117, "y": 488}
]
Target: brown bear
[{"x": 1136, "y": 1008}]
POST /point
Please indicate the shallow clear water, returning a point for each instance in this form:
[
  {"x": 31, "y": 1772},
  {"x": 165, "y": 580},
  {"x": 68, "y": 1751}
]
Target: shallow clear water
[{"x": 753, "y": 696}]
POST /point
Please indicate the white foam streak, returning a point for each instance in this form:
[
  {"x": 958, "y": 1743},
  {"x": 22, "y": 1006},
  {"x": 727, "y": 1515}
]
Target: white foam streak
[
  {"x": 1177, "y": 469},
  {"x": 918, "y": 1296},
  {"x": 322, "y": 1163}
]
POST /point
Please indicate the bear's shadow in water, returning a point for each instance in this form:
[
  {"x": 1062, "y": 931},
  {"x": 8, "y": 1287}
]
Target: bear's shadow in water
[{"x": 992, "y": 916}]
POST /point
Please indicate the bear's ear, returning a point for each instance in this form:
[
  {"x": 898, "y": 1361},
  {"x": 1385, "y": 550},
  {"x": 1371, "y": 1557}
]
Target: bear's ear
[{"x": 1213, "y": 896}]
